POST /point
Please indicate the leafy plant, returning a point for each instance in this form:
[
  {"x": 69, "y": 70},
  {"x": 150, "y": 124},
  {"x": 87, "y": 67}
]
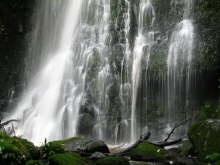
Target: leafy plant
[
  {"x": 213, "y": 157},
  {"x": 49, "y": 149}
]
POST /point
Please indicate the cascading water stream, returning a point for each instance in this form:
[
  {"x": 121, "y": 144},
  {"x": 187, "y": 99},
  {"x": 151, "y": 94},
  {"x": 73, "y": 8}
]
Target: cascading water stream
[
  {"x": 179, "y": 61},
  {"x": 39, "y": 107},
  {"x": 143, "y": 42},
  {"x": 50, "y": 108},
  {"x": 84, "y": 84}
]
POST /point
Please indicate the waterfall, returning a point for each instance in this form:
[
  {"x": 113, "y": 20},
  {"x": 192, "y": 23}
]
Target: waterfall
[
  {"x": 144, "y": 41},
  {"x": 179, "y": 62},
  {"x": 106, "y": 73},
  {"x": 41, "y": 106},
  {"x": 50, "y": 106}
]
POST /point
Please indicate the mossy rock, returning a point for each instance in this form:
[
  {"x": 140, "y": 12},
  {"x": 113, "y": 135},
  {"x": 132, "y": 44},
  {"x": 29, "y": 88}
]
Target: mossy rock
[
  {"x": 217, "y": 163},
  {"x": 205, "y": 137},
  {"x": 36, "y": 162},
  {"x": 138, "y": 163},
  {"x": 15, "y": 150},
  {"x": 68, "y": 159},
  {"x": 185, "y": 148},
  {"x": 83, "y": 144},
  {"x": 65, "y": 141},
  {"x": 147, "y": 152},
  {"x": 112, "y": 160}
]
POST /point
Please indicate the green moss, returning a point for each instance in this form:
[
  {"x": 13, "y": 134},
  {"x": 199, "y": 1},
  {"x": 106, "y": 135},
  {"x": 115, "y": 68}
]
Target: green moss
[
  {"x": 68, "y": 159},
  {"x": 217, "y": 163},
  {"x": 15, "y": 150},
  {"x": 213, "y": 157},
  {"x": 3, "y": 135},
  {"x": 64, "y": 141},
  {"x": 205, "y": 137},
  {"x": 138, "y": 163},
  {"x": 146, "y": 151},
  {"x": 50, "y": 149},
  {"x": 57, "y": 147},
  {"x": 186, "y": 147},
  {"x": 36, "y": 162},
  {"x": 112, "y": 160}
]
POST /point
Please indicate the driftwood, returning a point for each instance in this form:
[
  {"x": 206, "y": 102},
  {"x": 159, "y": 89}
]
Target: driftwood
[
  {"x": 144, "y": 137},
  {"x": 7, "y": 122},
  {"x": 161, "y": 144},
  {"x": 165, "y": 144},
  {"x": 174, "y": 128}
]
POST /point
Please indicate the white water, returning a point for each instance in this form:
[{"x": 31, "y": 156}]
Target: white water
[
  {"x": 144, "y": 40},
  {"x": 75, "y": 43},
  {"x": 40, "y": 108},
  {"x": 179, "y": 60},
  {"x": 70, "y": 44}
]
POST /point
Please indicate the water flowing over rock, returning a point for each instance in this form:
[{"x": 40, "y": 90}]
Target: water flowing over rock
[{"x": 107, "y": 69}]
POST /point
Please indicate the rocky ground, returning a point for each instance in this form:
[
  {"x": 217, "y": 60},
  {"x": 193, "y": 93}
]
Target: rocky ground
[{"x": 202, "y": 148}]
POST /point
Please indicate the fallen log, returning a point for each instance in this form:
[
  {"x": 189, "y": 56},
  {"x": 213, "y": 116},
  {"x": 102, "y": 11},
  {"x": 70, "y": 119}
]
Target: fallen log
[
  {"x": 7, "y": 122},
  {"x": 144, "y": 137},
  {"x": 165, "y": 144}
]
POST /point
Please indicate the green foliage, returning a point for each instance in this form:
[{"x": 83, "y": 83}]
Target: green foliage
[
  {"x": 213, "y": 157},
  {"x": 112, "y": 160},
  {"x": 14, "y": 150},
  {"x": 205, "y": 137},
  {"x": 64, "y": 141},
  {"x": 3, "y": 135},
  {"x": 50, "y": 149},
  {"x": 217, "y": 163},
  {"x": 209, "y": 111}
]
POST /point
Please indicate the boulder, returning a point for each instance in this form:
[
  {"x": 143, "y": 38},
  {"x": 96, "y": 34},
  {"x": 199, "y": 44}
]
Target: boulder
[
  {"x": 36, "y": 162},
  {"x": 183, "y": 160},
  {"x": 138, "y": 163},
  {"x": 84, "y": 145},
  {"x": 97, "y": 155},
  {"x": 205, "y": 137},
  {"x": 68, "y": 159},
  {"x": 185, "y": 147},
  {"x": 112, "y": 160},
  {"x": 147, "y": 152}
]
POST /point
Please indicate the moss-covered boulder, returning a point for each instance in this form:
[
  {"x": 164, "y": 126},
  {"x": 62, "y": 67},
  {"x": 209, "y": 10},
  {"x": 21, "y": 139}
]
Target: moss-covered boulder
[
  {"x": 68, "y": 159},
  {"x": 15, "y": 150},
  {"x": 217, "y": 163},
  {"x": 81, "y": 144},
  {"x": 185, "y": 148},
  {"x": 36, "y": 162},
  {"x": 205, "y": 137},
  {"x": 138, "y": 163},
  {"x": 112, "y": 160},
  {"x": 147, "y": 152}
]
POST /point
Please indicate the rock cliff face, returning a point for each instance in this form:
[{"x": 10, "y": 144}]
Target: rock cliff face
[
  {"x": 14, "y": 28},
  {"x": 207, "y": 19}
]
